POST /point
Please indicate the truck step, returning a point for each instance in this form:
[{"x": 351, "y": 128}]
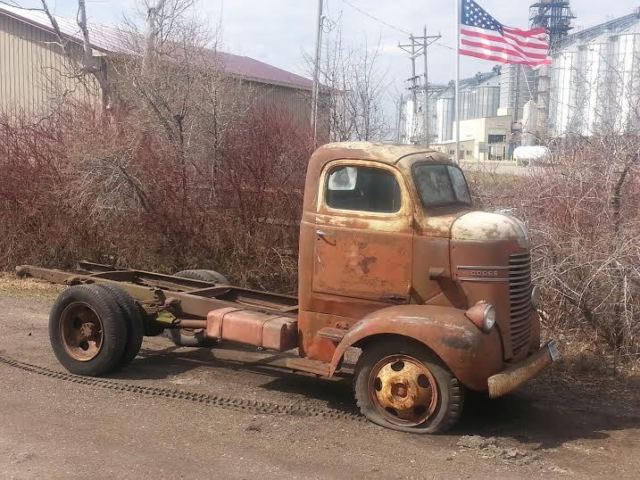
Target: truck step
[
  {"x": 307, "y": 365},
  {"x": 333, "y": 334}
]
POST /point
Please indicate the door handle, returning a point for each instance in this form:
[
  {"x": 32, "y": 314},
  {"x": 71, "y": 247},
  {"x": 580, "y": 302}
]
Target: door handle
[{"x": 322, "y": 235}]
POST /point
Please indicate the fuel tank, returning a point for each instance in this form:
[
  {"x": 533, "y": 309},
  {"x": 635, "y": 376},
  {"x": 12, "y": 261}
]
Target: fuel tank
[{"x": 250, "y": 327}]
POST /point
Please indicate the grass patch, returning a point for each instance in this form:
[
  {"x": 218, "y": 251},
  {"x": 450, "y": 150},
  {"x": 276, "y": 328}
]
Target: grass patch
[{"x": 27, "y": 287}]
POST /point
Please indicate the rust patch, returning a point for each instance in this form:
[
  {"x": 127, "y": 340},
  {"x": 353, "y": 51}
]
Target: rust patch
[
  {"x": 458, "y": 342},
  {"x": 365, "y": 262}
]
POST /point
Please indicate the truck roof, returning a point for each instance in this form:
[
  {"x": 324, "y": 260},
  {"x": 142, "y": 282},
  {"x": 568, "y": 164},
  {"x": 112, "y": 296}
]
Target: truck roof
[{"x": 383, "y": 152}]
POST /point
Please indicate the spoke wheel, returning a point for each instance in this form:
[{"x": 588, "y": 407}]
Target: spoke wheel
[
  {"x": 81, "y": 331},
  {"x": 404, "y": 390}
]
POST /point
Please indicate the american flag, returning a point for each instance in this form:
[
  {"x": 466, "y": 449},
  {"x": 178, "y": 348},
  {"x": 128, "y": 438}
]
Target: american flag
[{"x": 482, "y": 36}]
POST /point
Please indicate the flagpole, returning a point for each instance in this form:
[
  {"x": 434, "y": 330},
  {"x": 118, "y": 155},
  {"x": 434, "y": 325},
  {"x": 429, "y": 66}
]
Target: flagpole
[{"x": 457, "y": 157}]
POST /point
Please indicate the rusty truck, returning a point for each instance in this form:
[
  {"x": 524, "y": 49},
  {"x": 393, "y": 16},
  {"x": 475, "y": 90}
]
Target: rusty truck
[{"x": 432, "y": 297}]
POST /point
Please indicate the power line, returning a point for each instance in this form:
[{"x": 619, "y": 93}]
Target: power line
[
  {"x": 444, "y": 45},
  {"x": 374, "y": 18},
  {"x": 389, "y": 25}
]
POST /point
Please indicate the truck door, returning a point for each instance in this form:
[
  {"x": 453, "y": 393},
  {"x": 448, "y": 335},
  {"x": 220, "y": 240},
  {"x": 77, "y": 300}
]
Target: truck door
[{"x": 363, "y": 237}]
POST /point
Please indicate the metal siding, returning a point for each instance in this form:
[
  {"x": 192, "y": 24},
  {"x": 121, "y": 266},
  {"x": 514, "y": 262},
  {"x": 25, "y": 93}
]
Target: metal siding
[
  {"x": 446, "y": 114},
  {"x": 293, "y": 101},
  {"x": 595, "y": 81},
  {"x": 32, "y": 76},
  {"x": 31, "y": 65}
]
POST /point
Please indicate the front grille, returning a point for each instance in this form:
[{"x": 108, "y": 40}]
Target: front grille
[{"x": 520, "y": 300}]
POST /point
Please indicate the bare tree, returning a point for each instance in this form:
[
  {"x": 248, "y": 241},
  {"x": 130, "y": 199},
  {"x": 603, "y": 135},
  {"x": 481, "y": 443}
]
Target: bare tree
[
  {"x": 352, "y": 91},
  {"x": 85, "y": 64}
]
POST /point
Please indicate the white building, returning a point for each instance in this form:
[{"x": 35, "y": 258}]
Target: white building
[
  {"x": 479, "y": 98},
  {"x": 517, "y": 87},
  {"x": 595, "y": 80}
]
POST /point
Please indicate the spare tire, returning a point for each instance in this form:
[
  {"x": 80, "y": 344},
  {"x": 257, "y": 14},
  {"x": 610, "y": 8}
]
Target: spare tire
[{"x": 204, "y": 275}]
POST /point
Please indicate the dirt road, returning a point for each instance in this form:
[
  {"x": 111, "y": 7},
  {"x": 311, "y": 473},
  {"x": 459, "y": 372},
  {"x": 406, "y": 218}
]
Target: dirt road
[{"x": 50, "y": 427}]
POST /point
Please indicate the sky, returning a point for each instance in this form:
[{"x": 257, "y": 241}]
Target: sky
[{"x": 280, "y": 32}]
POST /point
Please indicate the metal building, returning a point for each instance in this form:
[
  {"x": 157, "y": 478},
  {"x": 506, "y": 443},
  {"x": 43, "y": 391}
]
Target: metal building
[
  {"x": 517, "y": 87},
  {"x": 595, "y": 79},
  {"x": 34, "y": 73},
  {"x": 479, "y": 98}
]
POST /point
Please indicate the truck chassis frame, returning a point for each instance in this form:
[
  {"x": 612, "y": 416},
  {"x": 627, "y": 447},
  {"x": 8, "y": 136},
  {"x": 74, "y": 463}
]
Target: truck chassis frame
[{"x": 183, "y": 303}]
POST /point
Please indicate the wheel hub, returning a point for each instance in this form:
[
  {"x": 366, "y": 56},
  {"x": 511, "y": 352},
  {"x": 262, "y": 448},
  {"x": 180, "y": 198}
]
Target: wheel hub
[
  {"x": 81, "y": 331},
  {"x": 404, "y": 389}
]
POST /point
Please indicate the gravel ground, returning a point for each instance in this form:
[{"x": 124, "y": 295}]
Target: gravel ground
[{"x": 556, "y": 427}]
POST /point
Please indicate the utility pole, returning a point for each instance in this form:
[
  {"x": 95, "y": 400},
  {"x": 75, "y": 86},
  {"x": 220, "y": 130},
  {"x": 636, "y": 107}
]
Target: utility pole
[
  {"x": 419, "y": 46},
  {"x": 427, "y": 127},
  {"x": 413, "y": 81},
  {"x": 316, "y": 74},
  {"x": 400, "y": 123}
]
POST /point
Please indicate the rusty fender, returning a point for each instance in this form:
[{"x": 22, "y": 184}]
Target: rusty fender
[{"x": 472, "y": 356}]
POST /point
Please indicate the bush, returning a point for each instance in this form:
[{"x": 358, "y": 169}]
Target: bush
[
  {"x": 583, "y": 215},
  {"x": 74, "y": 188}
]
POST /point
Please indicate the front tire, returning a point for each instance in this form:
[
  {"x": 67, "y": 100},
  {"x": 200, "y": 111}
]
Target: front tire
[{"x": 403, "y": 386}]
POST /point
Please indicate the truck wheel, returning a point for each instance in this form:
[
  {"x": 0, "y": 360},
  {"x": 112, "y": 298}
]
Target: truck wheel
[
  {"x": 188, "y": 337},
  {"x": 402, "y": 386},
  {"x": 87, "y": 331},
  {"x": 134, "y": 322},
  {"x": 204, "y": 275}
]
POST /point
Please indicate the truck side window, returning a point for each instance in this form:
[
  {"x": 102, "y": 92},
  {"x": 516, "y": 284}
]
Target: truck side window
[{"x": 363, "y": 189}]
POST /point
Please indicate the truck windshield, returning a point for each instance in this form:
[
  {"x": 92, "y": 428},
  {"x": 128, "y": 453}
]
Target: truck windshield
[{"x": 440, "y": 185}]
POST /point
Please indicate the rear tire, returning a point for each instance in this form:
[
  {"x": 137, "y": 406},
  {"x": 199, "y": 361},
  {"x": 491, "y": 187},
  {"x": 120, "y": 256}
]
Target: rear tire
[
  {"x": 204, "y": 275},
  {"x": 133, "y": 319},
  {"x": 87, "y": 331},
  {"x": 403, "y": 386}
]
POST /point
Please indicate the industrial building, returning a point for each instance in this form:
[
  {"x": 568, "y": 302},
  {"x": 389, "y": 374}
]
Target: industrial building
[
  {"x": 479, "y": 97},
  {"x": 483, "y": 138},
  {"x": 592, "y": 86},
  {"x": 33, "y": 67},
  {"x": 484, "y": 128},
  {"x": 595, "y": 79}
]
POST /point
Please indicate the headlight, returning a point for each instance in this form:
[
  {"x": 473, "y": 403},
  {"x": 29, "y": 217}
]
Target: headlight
[
  {"x": 536, "y": 296},
  {"x": 483, "y": 315}
]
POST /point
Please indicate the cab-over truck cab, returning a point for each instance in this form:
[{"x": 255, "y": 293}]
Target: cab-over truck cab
[{"x": 438, "y": 296}]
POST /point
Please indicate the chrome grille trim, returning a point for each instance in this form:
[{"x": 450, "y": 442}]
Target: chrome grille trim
[{"x": 520, "y": 300}]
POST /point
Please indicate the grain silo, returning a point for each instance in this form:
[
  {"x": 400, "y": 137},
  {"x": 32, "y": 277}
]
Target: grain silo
[{"x": 595, "y": 79}]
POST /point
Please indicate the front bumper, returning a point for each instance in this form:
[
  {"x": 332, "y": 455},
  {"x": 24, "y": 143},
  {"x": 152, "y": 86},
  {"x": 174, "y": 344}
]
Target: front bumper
[{"x": 517, "y": 374}]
